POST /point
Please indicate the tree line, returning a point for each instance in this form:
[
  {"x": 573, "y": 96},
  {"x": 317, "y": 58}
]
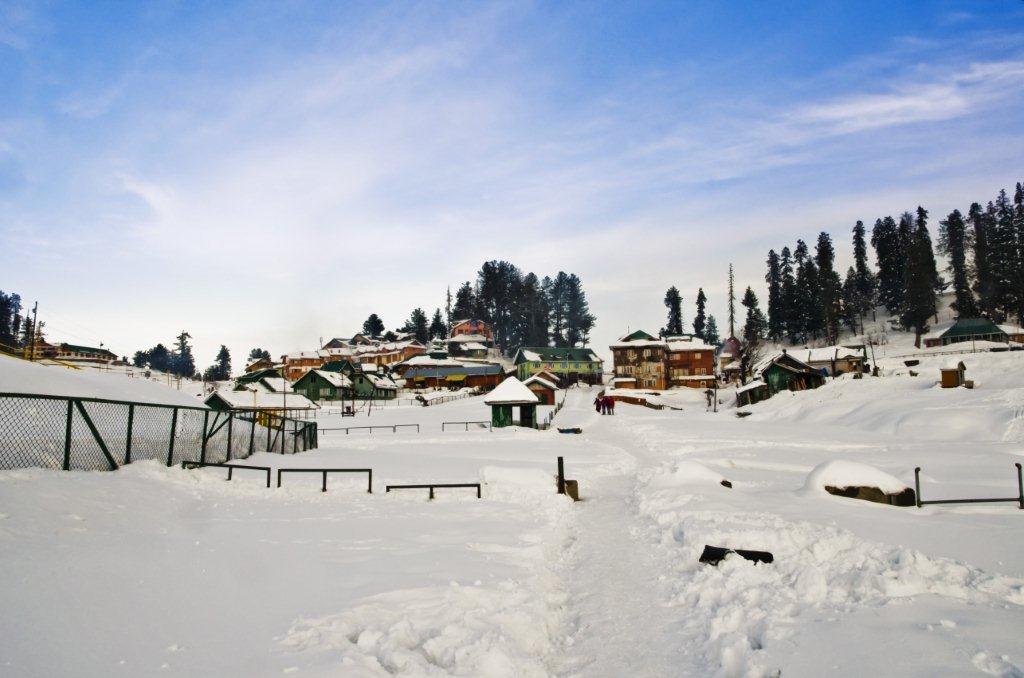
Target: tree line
[
  {"x": 180, "y": 362},
  {"x": 16, "y": 328},
  {"x": 807, "y": 299},
  {"x": 705, "y": 326},
  {"x": 522, "y": 310}
]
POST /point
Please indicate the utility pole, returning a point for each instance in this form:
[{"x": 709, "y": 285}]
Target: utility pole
[{"x": 35, "y": 331}]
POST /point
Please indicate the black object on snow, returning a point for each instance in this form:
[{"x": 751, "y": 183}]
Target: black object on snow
[{"x": 715, "y": 554}]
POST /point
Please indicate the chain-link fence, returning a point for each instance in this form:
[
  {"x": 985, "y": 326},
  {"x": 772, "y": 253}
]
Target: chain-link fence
[{"x": 94, "y": 434}]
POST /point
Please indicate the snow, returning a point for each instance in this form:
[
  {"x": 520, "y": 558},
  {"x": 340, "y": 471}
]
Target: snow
[
  {"x": 20, "y": 376},
  {"x": 249, "y": 399},
  {"x": 542, "y": 381},
  {"x": 749, "y": 386},
  {"x": 841, "y": 474},
  {"x": 278, "y": 384},
  {"x": 511, "y": 392},
  {"x": 159, "y": 571},
  {"x": 336, "y": 379}
]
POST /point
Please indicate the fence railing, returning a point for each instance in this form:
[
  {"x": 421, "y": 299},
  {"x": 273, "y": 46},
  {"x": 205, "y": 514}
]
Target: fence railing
[
  {"x": 380, "y": 427},
  {"x": 67, "y": 433},
  {"x": 1019, "y": 499},
  {"x": 546, "y": 424},
  {"x": 467, "y": 424}
]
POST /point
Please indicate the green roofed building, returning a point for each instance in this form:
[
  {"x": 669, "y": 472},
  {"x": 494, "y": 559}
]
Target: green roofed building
[
  {"x": 967, "y": 329},
  {"x": 571, "y": 365}
]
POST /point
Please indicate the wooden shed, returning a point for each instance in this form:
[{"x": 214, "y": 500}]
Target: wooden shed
[
  {"x": 953, "y": 374},
  {"x": 542, "y": 388},
  {"x": 512, "y": 393},
  {"x": 324, "y": 385}
]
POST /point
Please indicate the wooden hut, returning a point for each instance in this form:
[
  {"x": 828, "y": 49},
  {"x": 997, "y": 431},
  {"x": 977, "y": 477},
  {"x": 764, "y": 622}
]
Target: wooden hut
[
  {"x": 953, "y": 374},
  {"x": 512, "y": 393},
  {"x": 257, "y": 400},
  {"x": 324, "y": 385},
  {"x": 542, "y": 388}
]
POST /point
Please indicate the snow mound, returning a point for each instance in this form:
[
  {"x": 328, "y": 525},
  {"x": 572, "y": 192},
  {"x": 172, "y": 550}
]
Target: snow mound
[
  {"x": 841, "y": 474},
  {"x": 510, "y": 483},
  {"x": 454, "y": 630},
  {"x": 687, "y": 473}
]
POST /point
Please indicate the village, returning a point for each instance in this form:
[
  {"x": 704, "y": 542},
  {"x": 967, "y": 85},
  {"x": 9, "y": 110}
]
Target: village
[{"x": 511, "y": 340}]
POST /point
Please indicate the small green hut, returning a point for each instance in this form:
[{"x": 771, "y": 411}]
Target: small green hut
[
  {"x": 323, "y": 385},
  {"x": 508, "y": 394}
]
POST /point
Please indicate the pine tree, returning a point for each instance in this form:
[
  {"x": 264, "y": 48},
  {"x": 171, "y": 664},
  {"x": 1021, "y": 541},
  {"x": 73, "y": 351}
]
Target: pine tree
[
  {"x": 534, "y": 312},
  {"x": 711, "y": 332},
  {"x": 259, "y": 354},
  {"x": 556, "y": 288},
  {"x": 5, "y": 319},
  {"x": 865, "y": 286},
  {"x": 920, "y": 278},
  {"x": 159, "y": 358},
  {"x": 851, "y": 300},
  {"x": 829, "y": 288},
  {"x": 953, "y": 244},
  {"x": 437, "y": 330},
  {"x": 776, "y": 321},
  {"x": 787, "y": 293},
  {"x": 756, "y": 326},
  {"x": 981, "y": 265},
  {"x": 579, "y": 319},
  {"x": 419, "y": 325},
  {"x": 140, "y": 359},
  {"x": 465, "y": 303},
  {"x": 221, "y": 369},
  {"x": 448, "y": 308},
  {"x": 373, "y": 326},
  {"x": 807, "y": 310},
  {"x": 182, "y": 363},
  {"x": 1004, "y": 259},
  {"x": 700, "y": 319},
  {"x": 732, "y": 304},
  {"x": 1018, "y": 230},
  {"x": 674, "y": 303},
  {"x": 890, "y": 258}
]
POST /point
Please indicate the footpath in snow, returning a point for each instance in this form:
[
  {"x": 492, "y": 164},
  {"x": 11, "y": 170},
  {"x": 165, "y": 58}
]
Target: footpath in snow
[{"x": 158, "y": 571}]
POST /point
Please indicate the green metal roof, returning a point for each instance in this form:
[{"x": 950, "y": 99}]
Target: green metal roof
[
  {"x": 638, "y": 335},
  {"x": 969, "y": 327},
  {"x": 559, "y": 354}
]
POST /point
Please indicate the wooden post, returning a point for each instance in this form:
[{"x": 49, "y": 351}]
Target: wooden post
[{"x": 561, "y": 477}]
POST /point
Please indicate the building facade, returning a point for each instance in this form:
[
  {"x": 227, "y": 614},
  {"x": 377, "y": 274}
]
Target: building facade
[
  {"x": 644, "y": 361},
  {"x": 570, "y": 365}
]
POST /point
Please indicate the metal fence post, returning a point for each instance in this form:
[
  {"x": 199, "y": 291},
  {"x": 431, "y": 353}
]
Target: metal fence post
[
  {"x": 252, "y": 435},
  {"x": 561, "y": 477},
  {"x": 1020, "y": 486},
  {"x": 202, "y": 450},
  {"x": 917, "y": 486},
  {"x": 128, "y": 438},
  {"x": 231, "y": 420},
  {"x": 170, "y": 445},
  {"x": 67, "y": 437}
]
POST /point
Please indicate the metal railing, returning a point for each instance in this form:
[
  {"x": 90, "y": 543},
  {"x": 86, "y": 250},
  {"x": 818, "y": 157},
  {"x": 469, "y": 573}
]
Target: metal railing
[
  {"x": 1019, "y": 499},
  {"x": 67, "y": 433},
  {"x": 431, "y": 486},
  {"x": 466, "y": 424},
  {"x": 230, "y": 467},
  {"x": 324, "y": 472},
  {"x": 386, "y": 427}
]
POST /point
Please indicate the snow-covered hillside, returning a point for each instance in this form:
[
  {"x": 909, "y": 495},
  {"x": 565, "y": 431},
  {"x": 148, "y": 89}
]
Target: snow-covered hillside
[
  {"x": 20, "y": 376},
  {"x": 158, "y": 571}
]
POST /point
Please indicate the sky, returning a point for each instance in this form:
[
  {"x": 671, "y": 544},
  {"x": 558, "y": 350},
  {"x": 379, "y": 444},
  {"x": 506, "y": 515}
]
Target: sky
[{"x": 270, "y": 173}]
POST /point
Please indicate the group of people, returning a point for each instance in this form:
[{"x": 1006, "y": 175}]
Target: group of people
[{"x": 604, "y": 404}]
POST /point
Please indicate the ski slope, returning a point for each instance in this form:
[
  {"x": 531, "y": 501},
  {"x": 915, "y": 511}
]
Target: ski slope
[{"x": 159, "y": 571}]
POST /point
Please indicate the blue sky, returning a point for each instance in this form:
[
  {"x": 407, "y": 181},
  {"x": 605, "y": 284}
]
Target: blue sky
[{"x": 270, "y": 173}]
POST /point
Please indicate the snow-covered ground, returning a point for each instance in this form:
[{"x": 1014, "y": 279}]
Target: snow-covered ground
[{"x": 157, "y": 571}]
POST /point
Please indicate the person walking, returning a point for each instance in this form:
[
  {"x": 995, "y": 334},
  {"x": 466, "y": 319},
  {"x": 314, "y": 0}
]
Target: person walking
[
  {"x": 611, "y": 405},
  {"x": 597, "y": 404}
]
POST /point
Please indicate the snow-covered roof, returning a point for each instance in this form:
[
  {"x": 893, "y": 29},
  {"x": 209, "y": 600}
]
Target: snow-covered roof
[
  {"x": 336, "y": 379},
  {"x": 250, "y": 399},
  {"x": 616, "y": 380},
  {"x": 540, "y": 380},
  {"x": 688, "y": 345},
  {"x": 757, "y": 383},
  {"x": 511, "y": 392},
  {"x": 1012, "y": 329},
  {"x": 368, "y": 367},
  {"x": 467, "y": 338},
  {"x": 640, "y": 343},
  {"x": 277, "y": 384},
  {"x": 381, "y": 382},
  {"x": 427, "y": 361},
  {"x": 828, "y": 353},
  {"x": 473, "y": 346}
]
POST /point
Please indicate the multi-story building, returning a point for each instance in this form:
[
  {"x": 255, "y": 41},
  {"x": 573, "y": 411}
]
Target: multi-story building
[
  {"x": 644, "y": 361},
  {"x": 571, "y": 365}
]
